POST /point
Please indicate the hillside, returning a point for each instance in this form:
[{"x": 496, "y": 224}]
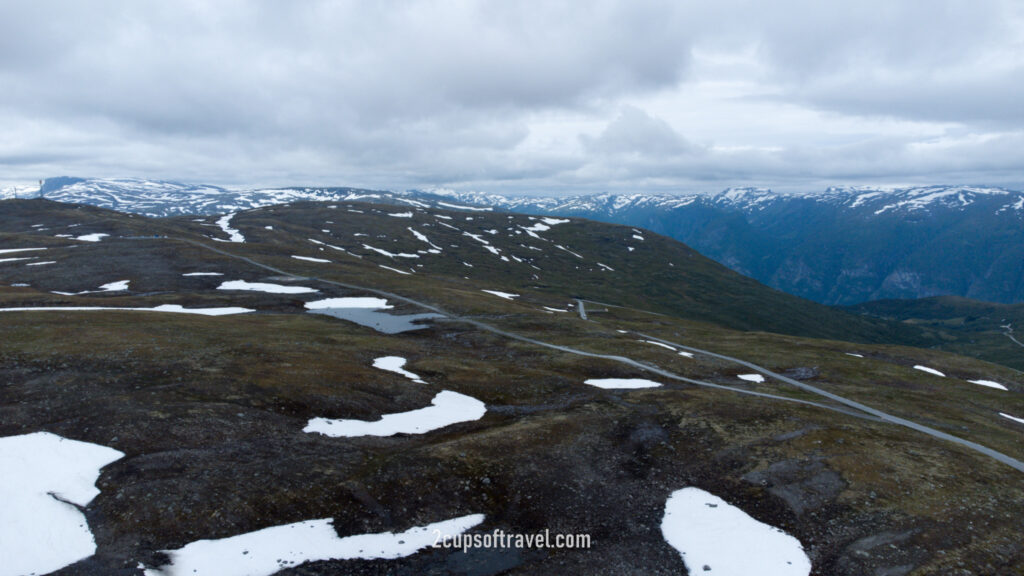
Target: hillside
[
  {"x": 227, "y": 407},
  {"x": 620, "y": 265},
  {"x": 969, "y": 327},
  {"x": 838, "y": 246}
]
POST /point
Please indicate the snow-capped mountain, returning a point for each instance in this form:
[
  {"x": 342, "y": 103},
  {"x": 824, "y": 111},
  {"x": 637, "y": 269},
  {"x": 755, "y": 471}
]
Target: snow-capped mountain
[
  {"x": 868, "y": 199},
  {"x": 162, "y": 198},
  {"x": 18, "y": 191},
  {"x": 842, "y": 245}
]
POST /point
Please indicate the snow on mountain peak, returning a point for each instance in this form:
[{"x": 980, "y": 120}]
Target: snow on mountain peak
[
  {"x": 164, "y": 198},
  {"x": 9, "y": 191}
]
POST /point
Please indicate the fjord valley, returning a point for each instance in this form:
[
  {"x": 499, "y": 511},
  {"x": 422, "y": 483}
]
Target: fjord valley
[{"x": 324, "y": 383}]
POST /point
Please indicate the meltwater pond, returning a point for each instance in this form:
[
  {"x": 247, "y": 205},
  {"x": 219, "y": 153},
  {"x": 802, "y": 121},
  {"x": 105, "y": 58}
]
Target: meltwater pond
[{"x": 379, "y": 320}]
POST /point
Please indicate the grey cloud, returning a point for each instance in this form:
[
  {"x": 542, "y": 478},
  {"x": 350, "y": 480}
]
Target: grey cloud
[
  {"x": 363, "y": 87},
  {"x": 362, "y": 62},
  {"x": 431, "y": 92},
  {"x": 989, "y": 160},
  {"x": 636, "y": 133},
  {"x": 991, "y": 101},
  {"x": 950, "y": 61}
]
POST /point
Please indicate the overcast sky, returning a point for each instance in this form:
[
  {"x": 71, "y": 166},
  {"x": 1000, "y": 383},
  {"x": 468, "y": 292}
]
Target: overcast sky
[{"x": 532, "y": 97}]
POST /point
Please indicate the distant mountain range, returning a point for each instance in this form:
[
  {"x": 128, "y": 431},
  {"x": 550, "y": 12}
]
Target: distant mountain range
[
  {"x": 839, "y": 246},
  {"x": 842, "y": 245}
]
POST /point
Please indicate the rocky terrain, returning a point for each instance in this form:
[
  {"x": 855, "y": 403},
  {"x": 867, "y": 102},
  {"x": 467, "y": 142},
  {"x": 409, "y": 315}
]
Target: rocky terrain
[{"x": 753, "y": 404}]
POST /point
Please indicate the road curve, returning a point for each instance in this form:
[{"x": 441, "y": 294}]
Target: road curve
[
  {"x": 487, "y": 327},
  {"x": 862, "y": 408},
  {"x": 854, "y": 404}
]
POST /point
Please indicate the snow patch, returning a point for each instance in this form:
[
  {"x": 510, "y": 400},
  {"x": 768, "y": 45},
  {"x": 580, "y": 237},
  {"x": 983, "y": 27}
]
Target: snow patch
[
  {"x": 413, "y": 202},
  {"x": 569, "y": 251},
  {"x": 174, "y": 308},
  {"x": 621, "y": 383},
  {"x": 118, "y": 286},
  {"x": 203, "y": 274},
  {"x": 270, "y": 550},
  {"x": 12, "y": 250},
  {"x": 264, "y": 287},
  {"x": 717, "y": 538},
  {"x": 422, "y": 238},
  {"x": 990, "y": 384},
  {"x": 395, "y": 364},
  {"x": 1014, "y": 418},
  {"x": 751, "y": 377},
  {"x": 233, "y": 235},
  {"x": 92, "y": 237},
  {"x": 44, "y": 478},
  {"x": 446, "y": 408},
  {"x": 356, "y": 302},
  {"x": 929, "y": 370},
  {"x": 505, "y": 295},
  {"x": 458, "y": 207},
  {"x": 659, "y": 344},
  {"x": 311, "y": 259},
  {"x": 338, "y": 248},
  {"x": 115, "y": 286},
  {"x": 389, "y": 254}
]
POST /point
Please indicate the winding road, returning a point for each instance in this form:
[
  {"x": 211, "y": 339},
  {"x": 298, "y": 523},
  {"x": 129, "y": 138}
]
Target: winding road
[
  {"x": 1009, "y": 334},
  {"x": 852, "y": 407},
  {"x": 854, "y": 404}
]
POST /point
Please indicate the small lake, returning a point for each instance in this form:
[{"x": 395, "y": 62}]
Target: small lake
[{"x": 378, "y": 320}]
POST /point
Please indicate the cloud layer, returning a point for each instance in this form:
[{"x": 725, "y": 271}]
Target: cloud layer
[{"x": 510, "y": 96}]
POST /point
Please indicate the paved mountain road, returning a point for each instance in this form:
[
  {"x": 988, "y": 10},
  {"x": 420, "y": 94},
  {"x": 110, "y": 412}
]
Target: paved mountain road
[
  {"x": 852, "y": 404},
  {"x": 863, "y": 409}
]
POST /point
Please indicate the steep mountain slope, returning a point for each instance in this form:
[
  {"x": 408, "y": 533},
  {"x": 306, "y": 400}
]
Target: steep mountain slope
[
  {"x": 841, "y": 246},
  {"x": 584, "y": 259}
]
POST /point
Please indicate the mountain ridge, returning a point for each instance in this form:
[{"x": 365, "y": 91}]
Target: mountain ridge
[
  {"x": 840, "y": 246},
  {"x": 877, "y": 199}
]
